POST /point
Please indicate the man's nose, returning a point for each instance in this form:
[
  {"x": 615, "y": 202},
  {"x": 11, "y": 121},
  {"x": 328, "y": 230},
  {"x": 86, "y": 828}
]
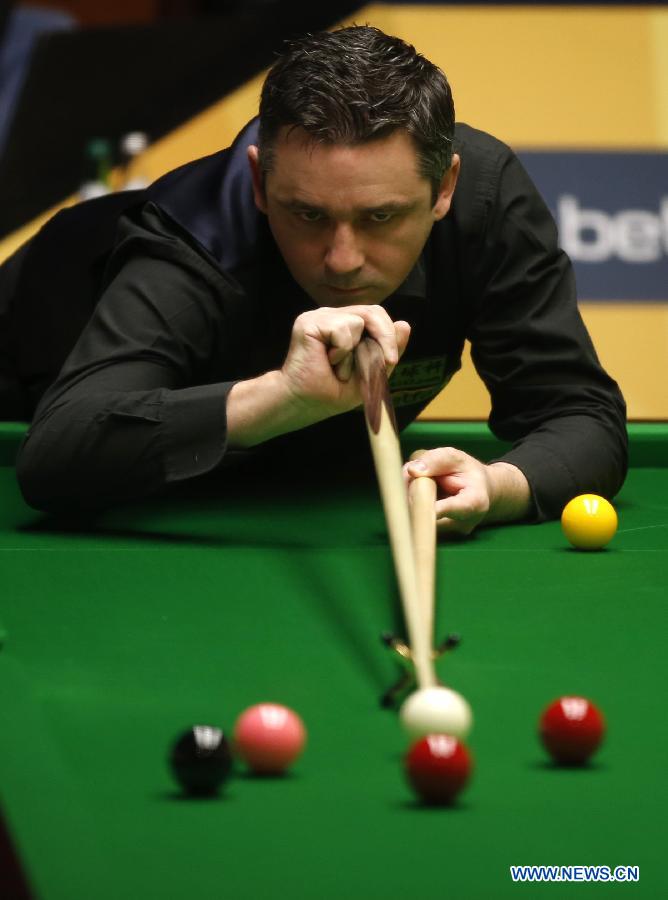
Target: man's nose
[{"x": 344, "y": 252}]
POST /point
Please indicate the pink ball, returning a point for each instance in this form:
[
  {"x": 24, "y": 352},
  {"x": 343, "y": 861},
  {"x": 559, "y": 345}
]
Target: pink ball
[{"x": 269, "y": 737}]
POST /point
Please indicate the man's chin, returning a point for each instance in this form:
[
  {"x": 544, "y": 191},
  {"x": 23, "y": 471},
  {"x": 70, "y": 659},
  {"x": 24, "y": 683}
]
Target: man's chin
[{"x": 326, "y": 296}]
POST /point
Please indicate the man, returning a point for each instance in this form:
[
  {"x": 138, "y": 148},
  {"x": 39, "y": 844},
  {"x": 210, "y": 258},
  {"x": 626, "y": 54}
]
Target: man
[{"x": 239, "y": 286}]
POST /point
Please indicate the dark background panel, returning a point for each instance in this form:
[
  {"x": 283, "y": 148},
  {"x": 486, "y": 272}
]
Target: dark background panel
[
  {"x": 4, "y": 14},
  {"x": 108, "y": 81},
  {"x": 109, "y": 12},
  {"x": 521, "y": 3}
]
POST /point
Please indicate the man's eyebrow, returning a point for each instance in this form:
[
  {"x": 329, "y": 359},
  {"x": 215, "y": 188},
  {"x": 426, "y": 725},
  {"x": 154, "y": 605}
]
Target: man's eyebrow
[
  {"x": 293, "y": 203},
  {"x": 391, "y": 206}
]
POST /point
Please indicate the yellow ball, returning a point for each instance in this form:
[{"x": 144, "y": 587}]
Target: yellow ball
[{"x": 589, "y": 522}]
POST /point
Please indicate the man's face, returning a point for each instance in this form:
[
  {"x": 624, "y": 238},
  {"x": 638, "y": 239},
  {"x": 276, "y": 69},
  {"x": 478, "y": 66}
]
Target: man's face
[{"x": 350, "y": 221}]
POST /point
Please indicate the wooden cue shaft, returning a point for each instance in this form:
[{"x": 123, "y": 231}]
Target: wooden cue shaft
[
  {"x": 422, "y": 492},
  {"x": 386, "y": 451}
]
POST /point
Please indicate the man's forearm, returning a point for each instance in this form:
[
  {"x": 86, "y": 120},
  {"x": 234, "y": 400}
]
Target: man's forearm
[
  {"x": 316, "y": 380},
  {"x": 509, "y": 491},
  {"x": 262, "y": 408}
]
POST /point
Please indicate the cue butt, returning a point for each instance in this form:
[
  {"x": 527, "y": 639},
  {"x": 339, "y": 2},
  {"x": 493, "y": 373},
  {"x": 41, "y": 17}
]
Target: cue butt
[
  {"x": 386, "y": 452},
  {"x": 422, "y": 492}
]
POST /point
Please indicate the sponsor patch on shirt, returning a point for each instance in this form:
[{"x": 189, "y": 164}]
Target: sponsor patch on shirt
[{"x": 417, "y": 381}]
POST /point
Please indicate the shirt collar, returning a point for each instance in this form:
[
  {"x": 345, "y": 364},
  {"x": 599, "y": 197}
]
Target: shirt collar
[{"x": 415, "y": 283}]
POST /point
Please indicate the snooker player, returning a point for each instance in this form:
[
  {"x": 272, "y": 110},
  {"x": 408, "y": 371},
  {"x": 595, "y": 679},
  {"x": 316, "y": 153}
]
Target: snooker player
[{"x": 154, "y": 333}]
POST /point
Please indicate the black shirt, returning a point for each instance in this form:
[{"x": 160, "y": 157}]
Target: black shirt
[{"x": 195, "y": 297}]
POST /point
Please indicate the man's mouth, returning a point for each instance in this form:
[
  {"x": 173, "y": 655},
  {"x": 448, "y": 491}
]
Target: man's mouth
[{"x": 339, "y": 290}]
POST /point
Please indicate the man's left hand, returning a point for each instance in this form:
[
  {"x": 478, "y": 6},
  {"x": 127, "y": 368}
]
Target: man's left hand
[{"x": 470, "y": 492}]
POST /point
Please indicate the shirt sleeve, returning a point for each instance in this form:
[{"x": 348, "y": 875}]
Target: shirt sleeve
[
  {"x": 131, "y": 410},
  {"x": 549, "y": 393}
]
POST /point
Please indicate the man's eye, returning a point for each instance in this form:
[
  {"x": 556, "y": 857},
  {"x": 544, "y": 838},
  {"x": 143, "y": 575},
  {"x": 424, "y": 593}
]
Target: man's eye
[
  {"x": 310, "y": 215},
  {"x": 380, "y": 217}
]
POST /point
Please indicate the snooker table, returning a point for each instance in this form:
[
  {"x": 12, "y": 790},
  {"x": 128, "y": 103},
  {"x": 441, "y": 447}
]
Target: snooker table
[{"x": 120, "y": 631}]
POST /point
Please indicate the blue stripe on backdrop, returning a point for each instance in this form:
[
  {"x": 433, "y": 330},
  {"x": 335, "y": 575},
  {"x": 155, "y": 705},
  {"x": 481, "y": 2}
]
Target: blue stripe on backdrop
[{"x": 612, "y": 213}]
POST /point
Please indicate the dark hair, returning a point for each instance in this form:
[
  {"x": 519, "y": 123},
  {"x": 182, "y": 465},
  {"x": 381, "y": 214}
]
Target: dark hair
[{"x": 356, "y": 84}]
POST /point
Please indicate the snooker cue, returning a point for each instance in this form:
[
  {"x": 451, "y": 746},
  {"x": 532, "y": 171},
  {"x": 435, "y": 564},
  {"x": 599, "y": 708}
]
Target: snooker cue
[
  {"x": 422, "y": 493},
  {"x": 386, "y": 452}
]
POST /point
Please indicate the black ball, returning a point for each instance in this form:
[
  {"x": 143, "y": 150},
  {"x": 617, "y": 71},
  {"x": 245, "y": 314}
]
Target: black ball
[{"x": 201, "y": 759}]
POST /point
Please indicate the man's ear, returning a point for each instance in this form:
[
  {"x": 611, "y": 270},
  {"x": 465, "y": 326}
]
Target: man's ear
[
  {"x": 447, "y": 189},
  {"x": 259, "y": 195}
]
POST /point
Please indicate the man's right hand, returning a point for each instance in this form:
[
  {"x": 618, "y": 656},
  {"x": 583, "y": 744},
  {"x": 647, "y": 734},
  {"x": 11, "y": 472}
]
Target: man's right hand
[
  {"x": 317, "y": 379},
  {"x": 319, "y": 367}
]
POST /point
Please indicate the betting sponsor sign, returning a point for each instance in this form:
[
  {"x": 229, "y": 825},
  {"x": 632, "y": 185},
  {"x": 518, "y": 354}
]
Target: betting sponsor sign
[{"x": 611, "y": 209}]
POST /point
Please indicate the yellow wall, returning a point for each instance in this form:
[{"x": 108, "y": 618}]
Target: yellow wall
[
  {"x": 550, "y": 77},
  {"x": 632, "y": 343},
  {"x": 537, "y": 77}
]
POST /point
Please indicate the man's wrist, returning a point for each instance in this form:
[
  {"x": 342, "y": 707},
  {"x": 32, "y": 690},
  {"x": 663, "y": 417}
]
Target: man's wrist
[
  {"x": 509, "y": 493},
  {"x": 262, "y": 408}
]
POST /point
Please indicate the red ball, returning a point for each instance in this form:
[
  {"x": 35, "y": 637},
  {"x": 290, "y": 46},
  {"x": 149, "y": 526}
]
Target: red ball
[
  {"x": 571, "y": 729},
  {"x": 438, "y": 766},
  {"x": 269, "y": 737}
]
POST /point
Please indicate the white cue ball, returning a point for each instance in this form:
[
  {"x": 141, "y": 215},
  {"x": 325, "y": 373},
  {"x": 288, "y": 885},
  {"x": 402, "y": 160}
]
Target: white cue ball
[{"x": 436, "y": 710}]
